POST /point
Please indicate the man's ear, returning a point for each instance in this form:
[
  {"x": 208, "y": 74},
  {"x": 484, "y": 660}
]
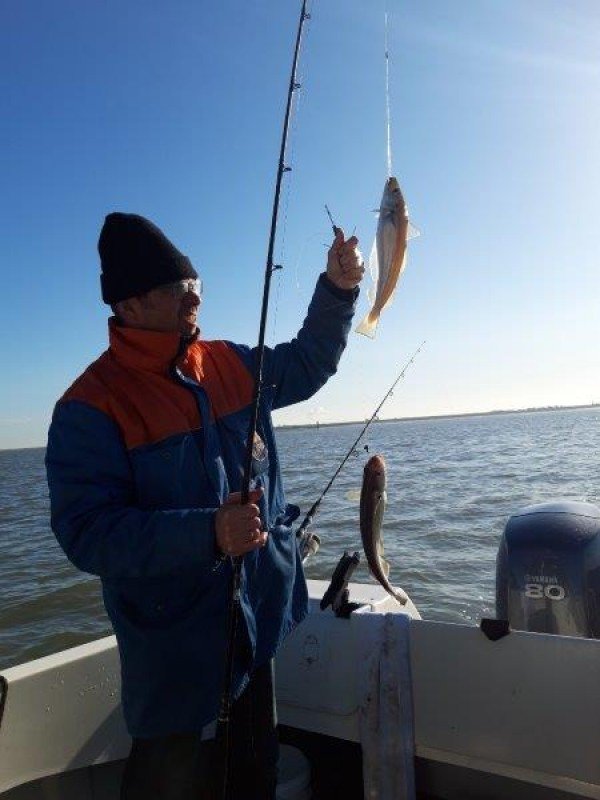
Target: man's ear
[{"x": 128, "y": 311}]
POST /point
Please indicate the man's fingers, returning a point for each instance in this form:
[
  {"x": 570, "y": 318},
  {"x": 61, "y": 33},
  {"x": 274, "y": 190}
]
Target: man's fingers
[
  {"x": 254, "y": 526},
  {"x": 351, "y": 265},
  {"x": 234, "y": 498},
  {"x": 243, "y": 520},
  {"x": 254, "y": 495},
  {"x": 238, "y": 528},
  {"x": 250, "y": 543},
  {"x": 259, "y": 540},
  {"x": 338, "y": 241}
]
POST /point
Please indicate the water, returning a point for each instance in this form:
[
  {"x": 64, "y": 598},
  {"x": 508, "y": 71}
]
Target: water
[{"x": 452, "y": 483}]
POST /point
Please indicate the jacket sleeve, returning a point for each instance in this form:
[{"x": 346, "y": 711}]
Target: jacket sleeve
[
  {"x": 298, "y": 369},
  {"x": 92, "y": 502}
]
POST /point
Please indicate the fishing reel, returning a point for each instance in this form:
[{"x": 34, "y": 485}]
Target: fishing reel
[{"x": 308, "y": 544}]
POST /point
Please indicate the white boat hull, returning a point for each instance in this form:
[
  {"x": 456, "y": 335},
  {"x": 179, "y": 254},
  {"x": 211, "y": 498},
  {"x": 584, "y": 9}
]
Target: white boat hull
[{"x": 515, "y": 717}]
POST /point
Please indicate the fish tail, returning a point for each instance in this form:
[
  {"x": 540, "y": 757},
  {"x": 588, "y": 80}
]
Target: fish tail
[
  {"x": 368, "y": 326},
  {"x": 400, "y": 595}
]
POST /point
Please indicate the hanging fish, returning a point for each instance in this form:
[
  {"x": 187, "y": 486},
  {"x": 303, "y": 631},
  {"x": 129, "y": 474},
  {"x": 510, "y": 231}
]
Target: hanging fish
[
  {"x": 388, "y": 255},
  {"x": 372, "y": 506}
]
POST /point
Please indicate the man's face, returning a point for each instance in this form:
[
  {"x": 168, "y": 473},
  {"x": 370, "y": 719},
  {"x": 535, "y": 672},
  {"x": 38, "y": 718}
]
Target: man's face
[{"x": 172, "y": 308}]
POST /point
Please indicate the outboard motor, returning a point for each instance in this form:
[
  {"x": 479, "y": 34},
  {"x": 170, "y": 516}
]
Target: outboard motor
[{"x": 548, "y": 570}]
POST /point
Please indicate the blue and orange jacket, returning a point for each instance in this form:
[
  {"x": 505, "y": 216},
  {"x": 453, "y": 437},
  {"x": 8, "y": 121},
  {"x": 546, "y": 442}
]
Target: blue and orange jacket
[{"x": 142, "y": 450}]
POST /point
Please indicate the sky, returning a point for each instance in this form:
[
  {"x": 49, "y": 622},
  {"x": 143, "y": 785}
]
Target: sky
[{"x": 174, "y": 111}]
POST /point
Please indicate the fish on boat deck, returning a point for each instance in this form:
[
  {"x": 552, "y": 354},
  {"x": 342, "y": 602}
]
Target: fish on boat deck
[
  {"x": 388, "y": 255},
  {"x": 372, "y": 507}
]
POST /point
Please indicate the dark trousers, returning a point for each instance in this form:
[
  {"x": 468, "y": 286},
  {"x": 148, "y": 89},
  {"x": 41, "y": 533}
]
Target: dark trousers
[{"x": 179, "y": 766}]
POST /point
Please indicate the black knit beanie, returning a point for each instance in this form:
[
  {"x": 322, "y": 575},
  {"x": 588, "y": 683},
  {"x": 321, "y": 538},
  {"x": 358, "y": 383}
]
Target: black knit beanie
[{"x": 136, "y": 257}]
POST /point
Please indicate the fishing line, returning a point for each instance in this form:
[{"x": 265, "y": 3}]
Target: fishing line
[{"x": 387, "y": 99}]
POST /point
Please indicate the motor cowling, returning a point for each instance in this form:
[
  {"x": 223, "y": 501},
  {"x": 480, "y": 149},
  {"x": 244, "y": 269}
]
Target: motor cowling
[{"x": 548, "y": 569}]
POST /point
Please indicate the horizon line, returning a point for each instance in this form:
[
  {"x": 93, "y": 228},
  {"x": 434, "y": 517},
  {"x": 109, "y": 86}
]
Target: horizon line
[{"x": 456, "y": 415}]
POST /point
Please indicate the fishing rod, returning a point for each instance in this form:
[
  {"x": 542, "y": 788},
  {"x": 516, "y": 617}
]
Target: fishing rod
[
  {"x": 307, "y": 547},
  {"x": 223, "y": 733}
]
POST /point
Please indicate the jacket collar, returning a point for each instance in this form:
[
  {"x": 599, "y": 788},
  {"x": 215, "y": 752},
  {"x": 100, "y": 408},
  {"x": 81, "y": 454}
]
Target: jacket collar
[{"x": 153, "y": 351}]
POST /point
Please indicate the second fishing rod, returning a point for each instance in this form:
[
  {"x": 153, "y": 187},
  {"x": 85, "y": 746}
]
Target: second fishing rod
[{"x": 308, "y": 542}]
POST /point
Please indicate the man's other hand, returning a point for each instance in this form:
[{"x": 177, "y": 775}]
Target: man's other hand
[{"x": 238, "y": 527}]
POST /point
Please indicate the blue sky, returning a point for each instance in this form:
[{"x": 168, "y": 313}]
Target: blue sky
[{"x": 174, "y": 110}]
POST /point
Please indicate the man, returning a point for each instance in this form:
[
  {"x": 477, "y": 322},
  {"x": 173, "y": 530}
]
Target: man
[{"x": 145, "y": 463}]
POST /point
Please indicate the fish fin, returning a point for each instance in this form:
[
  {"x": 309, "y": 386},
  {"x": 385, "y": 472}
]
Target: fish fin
[
  {"x": 413, "y": 232},
  {"x": 371, "y": 294},
  {"x": 368, "y": 326},
  {"x": 385, "y": 566}
]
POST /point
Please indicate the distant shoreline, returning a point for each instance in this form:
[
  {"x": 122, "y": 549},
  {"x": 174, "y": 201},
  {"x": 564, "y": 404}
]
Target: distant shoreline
[
  {"x": 439, "y": 416},
  {"x": 394, "y": 419}
]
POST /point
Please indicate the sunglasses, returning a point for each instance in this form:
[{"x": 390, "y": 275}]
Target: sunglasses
[{"x": 180, "y": 288}]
